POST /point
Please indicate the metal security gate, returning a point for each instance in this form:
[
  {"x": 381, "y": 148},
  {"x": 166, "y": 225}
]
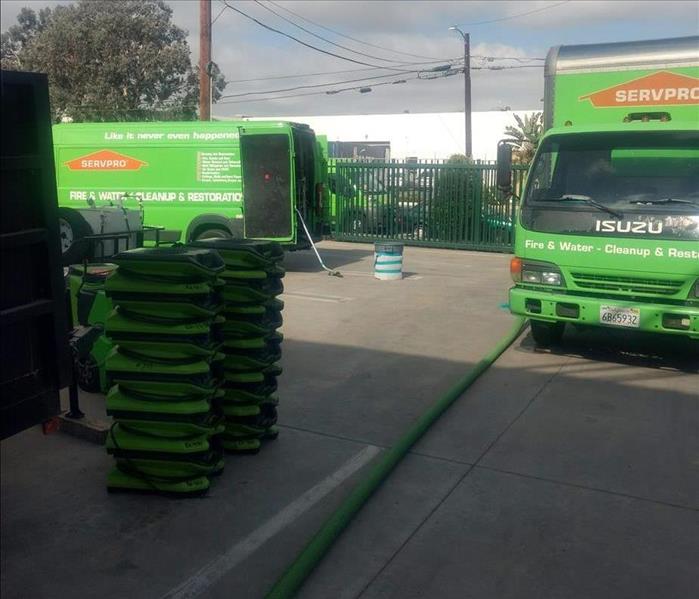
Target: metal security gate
[{"x": 431, "y": 204}]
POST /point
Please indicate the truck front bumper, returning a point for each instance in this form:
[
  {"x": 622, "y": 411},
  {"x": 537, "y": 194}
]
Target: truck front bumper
[{"x": 558, "y": 307}]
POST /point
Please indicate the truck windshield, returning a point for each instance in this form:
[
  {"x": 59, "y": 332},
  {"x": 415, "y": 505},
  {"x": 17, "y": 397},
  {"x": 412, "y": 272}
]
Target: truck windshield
[
  {"x": 625, "y": 172},
  {"x": 615, "y": 185}
]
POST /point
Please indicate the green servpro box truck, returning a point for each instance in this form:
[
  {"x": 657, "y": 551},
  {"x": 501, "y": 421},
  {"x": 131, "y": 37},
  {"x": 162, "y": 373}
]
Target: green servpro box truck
[
  {"x": 607, "y": 233},
  {"x": 242, "y": 179}
]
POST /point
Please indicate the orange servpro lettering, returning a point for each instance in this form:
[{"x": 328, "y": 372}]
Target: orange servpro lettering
[
  {"x": 658, "y": 89},
  {"x": 105, "y": 160}
]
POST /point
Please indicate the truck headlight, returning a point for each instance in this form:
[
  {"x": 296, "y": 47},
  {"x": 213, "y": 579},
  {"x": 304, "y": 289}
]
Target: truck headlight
[
  {"x": 536, "y": 273},
  {"x": 551, "y": 278}
]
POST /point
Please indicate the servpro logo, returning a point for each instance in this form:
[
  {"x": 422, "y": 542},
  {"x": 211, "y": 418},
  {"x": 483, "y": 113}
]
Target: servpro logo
[
  {"x": 658, "y": 89},
  {"x": 105, "y": 160}
]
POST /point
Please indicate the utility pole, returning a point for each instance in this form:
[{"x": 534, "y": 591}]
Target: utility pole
[
  {"x": 204, "y": 60},
  {"x": 467, "y": 90}
]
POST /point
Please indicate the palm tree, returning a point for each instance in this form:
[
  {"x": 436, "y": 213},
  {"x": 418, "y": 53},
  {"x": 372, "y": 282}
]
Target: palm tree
[{"x": 525, "y": 136}]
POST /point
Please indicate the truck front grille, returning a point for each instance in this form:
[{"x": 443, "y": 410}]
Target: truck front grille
[{"x": 630, "y": 285}]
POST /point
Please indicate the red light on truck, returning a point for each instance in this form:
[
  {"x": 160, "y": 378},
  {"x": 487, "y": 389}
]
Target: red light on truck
[
  {"x": 516, "y": 269},
  {"x": 268, "y": 177}
]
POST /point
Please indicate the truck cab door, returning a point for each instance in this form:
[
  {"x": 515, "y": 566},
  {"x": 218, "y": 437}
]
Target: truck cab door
[{"x": 267, "y": 172}]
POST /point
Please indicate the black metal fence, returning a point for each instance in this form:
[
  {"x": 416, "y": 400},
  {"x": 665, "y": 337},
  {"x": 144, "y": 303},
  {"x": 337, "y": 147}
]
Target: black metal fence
[{"x": 425, "y": 203}]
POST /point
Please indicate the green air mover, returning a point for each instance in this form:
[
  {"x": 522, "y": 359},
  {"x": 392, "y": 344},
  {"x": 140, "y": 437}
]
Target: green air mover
[
  {"x": 177, "y": 341},
  {"x": 172, "y": 264},
  {"x": 249, "y": 293},
  {"x": 130, "y": 283},
  {"x": 89, "y": 307},
  {"x": 124, "y": 441},
  {"x": 247, "y": 363},
  {"x": 246, "y": 254},
  {"x": 163, "y": 418},
  {"x": 210, "y": 465},
  {"x": 166, "y": 369},
  {"x": 139, "y": 294},
  {"x": 244, "y": 434},
  {"x": 133, "y": 480},
  {"x": 247, "y": 326},
  {"x": 124, "y": 365},
  {"x": 270, "y": 343},
  {"x": 168, "y": 309},
  {"x": 163, "y": 457},
  {"x": 234, "y": 310},
  {"x": 89, "y": 303},
  {"x": 156, "y": 390},
  {"x": 237, "y": 409},
  {"x": 251, "y": 343},
  {"x": 252, "y": 395},
  {"x": 250, "y": 376}
]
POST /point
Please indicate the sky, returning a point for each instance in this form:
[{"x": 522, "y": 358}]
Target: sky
[{"x": 405, "y": 32}]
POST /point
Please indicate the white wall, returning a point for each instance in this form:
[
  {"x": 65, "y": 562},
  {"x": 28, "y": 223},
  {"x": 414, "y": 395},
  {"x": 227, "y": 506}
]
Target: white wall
[{"x": 425, "y": 135}]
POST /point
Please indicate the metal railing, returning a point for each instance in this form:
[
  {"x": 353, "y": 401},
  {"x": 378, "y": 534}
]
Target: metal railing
[{"x": 427, "y": 203}]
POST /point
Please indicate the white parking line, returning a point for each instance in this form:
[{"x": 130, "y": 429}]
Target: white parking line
[
  {"x": 217, "y": 568},
  {"x": 315, "y": 297}
]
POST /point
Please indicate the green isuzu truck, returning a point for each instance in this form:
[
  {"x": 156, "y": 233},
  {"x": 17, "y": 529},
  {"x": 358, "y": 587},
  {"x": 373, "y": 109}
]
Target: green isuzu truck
[
  {"x": 241, "y": 179},
  {"x": 607, "y": 232}
]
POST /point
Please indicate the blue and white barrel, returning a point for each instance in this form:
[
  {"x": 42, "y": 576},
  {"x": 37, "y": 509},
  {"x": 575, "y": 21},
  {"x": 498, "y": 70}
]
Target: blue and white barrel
[{"x": 388, "y": 260}]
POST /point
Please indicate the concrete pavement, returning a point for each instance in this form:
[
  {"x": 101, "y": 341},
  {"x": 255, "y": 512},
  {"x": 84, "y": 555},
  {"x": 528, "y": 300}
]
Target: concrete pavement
[{"x": 573, "y": 473}]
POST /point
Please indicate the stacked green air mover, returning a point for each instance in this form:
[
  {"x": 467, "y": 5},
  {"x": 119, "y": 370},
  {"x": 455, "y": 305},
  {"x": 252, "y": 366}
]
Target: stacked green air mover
[
  {"x": 251, "y": 343},
  {"x": 165, "y": 370}
]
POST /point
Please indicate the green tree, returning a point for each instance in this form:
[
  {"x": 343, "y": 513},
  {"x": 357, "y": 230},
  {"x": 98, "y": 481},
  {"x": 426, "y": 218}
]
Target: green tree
[
  {"x": 108, "y": 61},
  {"x": 459, "y": 159},
  {"x": 29, "y": 25},
  {"x": 525, "y": 136}
]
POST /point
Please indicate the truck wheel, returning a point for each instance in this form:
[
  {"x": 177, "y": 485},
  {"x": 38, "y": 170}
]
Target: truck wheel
[
  {"x": 72, "y": 227},
  {"x": 547, "y": 334},
  {"x": 357, "y": 223},
  {"x": 87, "y": 374},
  {"x": 211, "y": 232}
]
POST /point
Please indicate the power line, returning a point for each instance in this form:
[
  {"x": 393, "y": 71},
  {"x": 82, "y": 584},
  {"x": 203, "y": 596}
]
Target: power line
[
  {"x": 320, "y": 37},
  {"x": 313, "y": 85},
  {"x": 386, "y": 68},
  {"x": 422, "y": 75},
  {"x": 337, "y": 91},
  {"x": 323, "y": 93},
  {"x": 346, "y": 36},
  {"x": 508, "y": 67},
  {"x": 218, "y": 15},
  {"x": 382, "y": 47},
  {"x": 521, "y": 14},
  {"x": 297, "y": 40}
]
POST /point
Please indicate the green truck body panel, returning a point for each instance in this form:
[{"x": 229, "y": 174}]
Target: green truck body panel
[
  {"x": 180, "y": 172},
  {"x": 634, "y": 108},
  {"x": 328, "y": 207},
  {"x": 571, "y": 103}
]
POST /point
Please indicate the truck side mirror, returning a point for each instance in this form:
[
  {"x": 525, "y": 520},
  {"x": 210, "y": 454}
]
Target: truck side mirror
[{"x": 504, "y": 168}]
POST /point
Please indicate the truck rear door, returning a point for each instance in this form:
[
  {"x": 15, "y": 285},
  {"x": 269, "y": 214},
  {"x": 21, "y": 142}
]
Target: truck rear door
[{"x": 268, "y": 198}]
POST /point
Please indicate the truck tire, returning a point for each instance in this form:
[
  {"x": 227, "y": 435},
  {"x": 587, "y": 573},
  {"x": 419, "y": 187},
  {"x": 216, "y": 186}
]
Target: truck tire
[
  {"x": 358, "y": 223},
  {"x": 87, "y": 374},
  {"x": 547, "y": 334},
  {"x": 72, "y": 227},
  {"x": 211, "y": 232}
]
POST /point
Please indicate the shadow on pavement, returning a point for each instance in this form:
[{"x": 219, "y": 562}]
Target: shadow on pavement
[
  {"x": 632, "y": 348},
  {"x": 333, "y": 400},
  {"x": 306, "y": 261}
]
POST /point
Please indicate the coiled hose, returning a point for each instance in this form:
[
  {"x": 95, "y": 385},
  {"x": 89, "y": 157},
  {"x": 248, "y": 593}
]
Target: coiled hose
[{"x": 295, "y": 575}]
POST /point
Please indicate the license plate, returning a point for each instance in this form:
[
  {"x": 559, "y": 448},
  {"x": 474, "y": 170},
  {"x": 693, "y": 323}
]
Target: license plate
[{"x": 620, "y": 317}]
